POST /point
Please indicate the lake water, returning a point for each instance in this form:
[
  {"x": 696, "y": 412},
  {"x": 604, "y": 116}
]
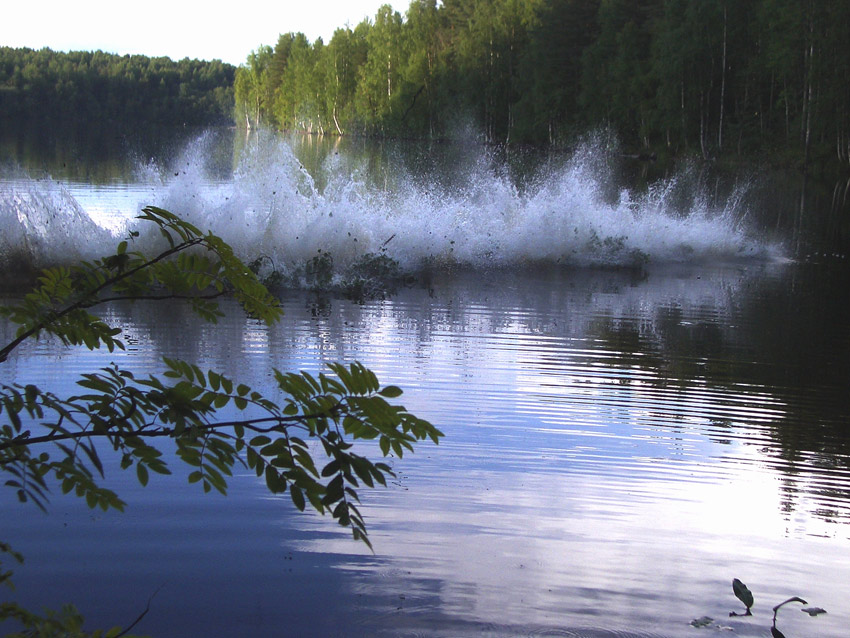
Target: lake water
[{"x": 644, "y": 396}]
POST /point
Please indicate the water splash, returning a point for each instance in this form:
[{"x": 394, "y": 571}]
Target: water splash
[
  {"x": 272, "y": 206},
  {"x": 41, "y": 223},
  {"x": 560, "y": 215}
]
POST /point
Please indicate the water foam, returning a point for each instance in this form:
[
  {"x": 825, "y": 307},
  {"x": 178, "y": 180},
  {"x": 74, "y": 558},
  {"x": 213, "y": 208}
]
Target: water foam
[{"x": 272, "y": 206}]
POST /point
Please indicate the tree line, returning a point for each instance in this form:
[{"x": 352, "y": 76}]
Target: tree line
[
  {"x": 54, "y": 88},
  {"x": 700, "y": 76}
]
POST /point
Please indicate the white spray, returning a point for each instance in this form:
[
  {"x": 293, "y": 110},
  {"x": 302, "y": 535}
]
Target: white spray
[{"x": 271, "y": 206}]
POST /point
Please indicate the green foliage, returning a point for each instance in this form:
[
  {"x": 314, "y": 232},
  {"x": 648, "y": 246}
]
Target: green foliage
[
  {"x": 253, "y": 88},
  {"x": 65, "y": 623},
  {"x": 271, "y": 439},
  {"x": 129, "y": 412},
  {"x": 5, "y": 576},
  {"x": 694, "y": 76},
  {"x": 67, "y": 89},
  {"x": 59, "y": 304},
  {"x": 303, "y": 445}
]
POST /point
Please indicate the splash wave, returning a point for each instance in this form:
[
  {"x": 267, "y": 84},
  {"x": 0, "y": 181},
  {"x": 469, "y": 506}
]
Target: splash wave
[
  {"x": 271, "y": 206},
  {"x": 41, "y": 223}
]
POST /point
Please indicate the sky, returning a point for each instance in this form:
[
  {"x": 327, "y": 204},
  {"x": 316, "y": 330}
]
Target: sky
[{"x": 204, "y": 30}]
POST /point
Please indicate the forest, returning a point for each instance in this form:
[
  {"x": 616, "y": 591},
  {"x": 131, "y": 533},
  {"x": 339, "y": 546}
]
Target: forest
[
  {"x": 51, "y": 88},
  {"x": 714, "y": 78},
  {"x": 706, "y": 77}
]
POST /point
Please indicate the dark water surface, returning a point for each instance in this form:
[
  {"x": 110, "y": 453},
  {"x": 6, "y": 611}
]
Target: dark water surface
[
  {"x": 618, "y": 448},
  {"x": 645, "y": 394}
]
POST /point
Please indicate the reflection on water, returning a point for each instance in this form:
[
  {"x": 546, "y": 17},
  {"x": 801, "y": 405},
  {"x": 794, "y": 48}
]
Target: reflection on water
[{"x": 618, "y": 448}]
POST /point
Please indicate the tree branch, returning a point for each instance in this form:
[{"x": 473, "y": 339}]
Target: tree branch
[
  {"x": 142, "y": 615},
  {"x": 215, "y": 295},
  {"x": 89, "y": 299},
  {"x": 254, "y": 425}
]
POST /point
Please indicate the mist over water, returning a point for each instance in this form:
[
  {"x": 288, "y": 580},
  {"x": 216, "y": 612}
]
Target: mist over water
[{"x": 476, "y": 215}]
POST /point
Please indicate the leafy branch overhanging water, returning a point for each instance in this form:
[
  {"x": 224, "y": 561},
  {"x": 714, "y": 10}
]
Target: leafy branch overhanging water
[{"x": 302, "y": 445}]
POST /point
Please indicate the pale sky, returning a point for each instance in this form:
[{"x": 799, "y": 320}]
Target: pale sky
[{"x": 204, "y": 30}]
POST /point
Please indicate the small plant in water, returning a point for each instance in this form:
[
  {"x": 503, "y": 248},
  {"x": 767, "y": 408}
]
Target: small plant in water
[
  {"x": 372, "y": 276},
  {"x": 320, "y": 270},
  {"x": 613, "y": 249},
  {"x": 743, "y": 593},
  {"x": 266, "y": 270}
]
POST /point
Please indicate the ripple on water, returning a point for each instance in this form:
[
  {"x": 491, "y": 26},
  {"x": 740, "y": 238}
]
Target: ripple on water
[{"x": 605, "y": 473}]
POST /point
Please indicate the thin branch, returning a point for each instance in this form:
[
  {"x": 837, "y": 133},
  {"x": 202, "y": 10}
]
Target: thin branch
[
  {"x": 90, "y": 300},
  {"x": 254, "y": 425},
  {"x": 793, "y": 599},
  {"x": 142, "y": 615},
  {"x": 162, "y": 297}
]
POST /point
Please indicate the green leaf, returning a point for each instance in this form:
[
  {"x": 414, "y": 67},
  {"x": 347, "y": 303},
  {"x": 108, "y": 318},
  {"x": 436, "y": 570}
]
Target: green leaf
[
  {"x": 306, "y": 461},
  {"x": 215, "y": 380},
  {"x": 142, "y": 474},
  {"x": 331, "y": 468},
  {"x": 743, "y": 593},
  {"x": 297, "y": 497},
  {"x": 362, "y": 468},
  {"x": 274, "y": 481},
  {"x": 391, "y": 392}
]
